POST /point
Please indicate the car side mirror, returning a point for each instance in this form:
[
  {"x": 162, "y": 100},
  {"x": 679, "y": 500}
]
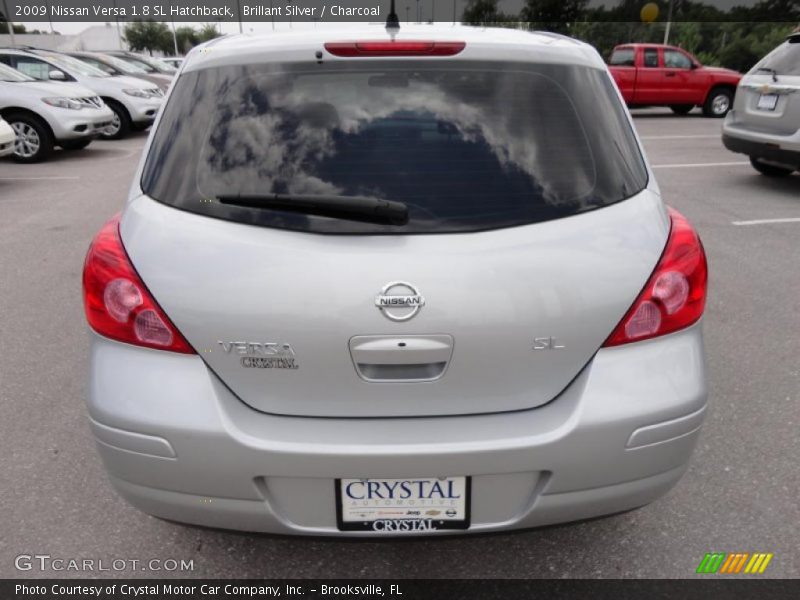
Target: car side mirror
[
  {"x": 56, "y": 75},
  {"x": 695, "y": 66}
]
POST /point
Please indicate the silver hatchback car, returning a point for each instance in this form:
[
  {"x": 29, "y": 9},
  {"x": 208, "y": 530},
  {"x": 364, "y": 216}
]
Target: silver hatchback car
[
  {"x": 765, "y": 121},
  {"x": 371, "y": 283}
]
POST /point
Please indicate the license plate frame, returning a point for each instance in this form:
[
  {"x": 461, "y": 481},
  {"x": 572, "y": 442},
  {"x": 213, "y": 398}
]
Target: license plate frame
[
  {"x": 767, "y": 102},
  {"x": 432, "y": 522}
]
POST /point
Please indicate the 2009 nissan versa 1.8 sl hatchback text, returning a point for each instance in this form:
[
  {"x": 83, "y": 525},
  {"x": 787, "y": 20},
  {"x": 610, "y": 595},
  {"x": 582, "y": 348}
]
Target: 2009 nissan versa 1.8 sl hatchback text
[{"x": 371, "y": 282}]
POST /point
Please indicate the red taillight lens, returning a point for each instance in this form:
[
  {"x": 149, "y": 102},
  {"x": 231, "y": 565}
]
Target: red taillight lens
[
  {"x": 389, "y": 48},
  {"x": 675, "y": 294},
  {"x": 116, "y": 301}
]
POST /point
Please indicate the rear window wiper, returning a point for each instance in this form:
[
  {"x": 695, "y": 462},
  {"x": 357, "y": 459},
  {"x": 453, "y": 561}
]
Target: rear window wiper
[
  {"x": 351, "y": 208},
  {"x": 773, "y": 72}
]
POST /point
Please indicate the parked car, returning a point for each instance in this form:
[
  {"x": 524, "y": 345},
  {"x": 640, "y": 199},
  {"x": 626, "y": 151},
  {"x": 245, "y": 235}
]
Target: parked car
[
  {"x": 415, "y": 282},
  {"x": 150, "y": 64},
  {"x": 135, "y": 102},
  {"x": 173, "y": 61},
  {"x": 7, "y": 138},
  {"x": 115, "y": 67},
  {"x": 765, "y": 121},
  {"x": 45, "y": 115},
  {"x": 659, "y": 75}
]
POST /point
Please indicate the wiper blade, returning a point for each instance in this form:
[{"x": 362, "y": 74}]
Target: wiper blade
[
  {"x": 351, "y": 208},
  {"x": 771, "y": 71}
]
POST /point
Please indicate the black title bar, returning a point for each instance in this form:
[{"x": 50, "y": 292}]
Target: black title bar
[
  {"x": 482, "y": 11},
  {"x": 398, "y": 589}
]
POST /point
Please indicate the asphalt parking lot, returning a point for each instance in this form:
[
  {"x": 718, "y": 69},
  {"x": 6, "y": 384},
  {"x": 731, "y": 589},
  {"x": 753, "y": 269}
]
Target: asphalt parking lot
[{"x": 740, "y": 494}]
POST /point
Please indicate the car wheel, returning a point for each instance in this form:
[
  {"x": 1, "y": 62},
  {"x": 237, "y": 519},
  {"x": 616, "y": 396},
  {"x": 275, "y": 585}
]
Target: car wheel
[
  {"x": 718, "y": 103},
  {"x": 34, "y": 141},
  {"x": 682, "y": 109},
  {"x": 770, "y": 170},
  {"x": 120, "y": 123},
  {"x": 75, "y": 144}
]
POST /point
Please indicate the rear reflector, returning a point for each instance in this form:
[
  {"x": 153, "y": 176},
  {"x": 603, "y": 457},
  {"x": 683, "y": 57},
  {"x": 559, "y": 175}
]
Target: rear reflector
[
  {"x": 117, "y": 303},
  {"x": 675, "y": 294},
  {"x": 389, "y": 48}
]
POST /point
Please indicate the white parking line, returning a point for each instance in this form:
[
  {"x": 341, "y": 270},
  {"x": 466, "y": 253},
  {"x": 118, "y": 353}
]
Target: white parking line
[
  {"x": 700, "y": 165},
  {"x": 36, "y": 178},
  {"x": 767, "y": 221},
  {"x": 678, "y": 137},
  {"x": 121, "y": 157}
]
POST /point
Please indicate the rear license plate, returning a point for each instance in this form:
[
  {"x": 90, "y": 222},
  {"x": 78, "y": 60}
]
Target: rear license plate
[
  {"x": 413, "y": 505},
  {"x": 767, "y": 101}
]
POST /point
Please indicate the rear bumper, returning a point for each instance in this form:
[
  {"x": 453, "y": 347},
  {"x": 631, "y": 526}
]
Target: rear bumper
[
  {"x": 737, "y": 137},
  {"x": 177, "y": 444}
]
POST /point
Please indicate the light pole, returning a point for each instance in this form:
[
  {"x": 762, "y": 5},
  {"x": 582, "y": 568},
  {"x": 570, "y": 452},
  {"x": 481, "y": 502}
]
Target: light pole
[
  {"x": 175, "y": 38},
  {"x": 8, "y": 23},
  {"x": 239, "y": 14},
  {"x": 49, "y": 16},
  {"x": 669, "y": 23},
  {"x": 174, "y": 34},
  {"x": 119, "y": 33}
]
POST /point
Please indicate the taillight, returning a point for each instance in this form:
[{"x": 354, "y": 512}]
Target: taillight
[
  {"x": 675, "y": 294},
  {"x": 395, "y": 48},
  {"x": 117, "y": 303}
]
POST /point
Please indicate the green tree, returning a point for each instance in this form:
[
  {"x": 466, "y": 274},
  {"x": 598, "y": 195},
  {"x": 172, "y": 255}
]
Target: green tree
[
  {"x": 150, "y": 36},
  {"x": 553, "y": 15},
  {"x": 687, "y": 36},
  {"x": 187, "y": 38},
  {"x": 16, "y": 27},
  {"x": 482, "y": 12},
  {"x": 207, "y": 32},
  {"x": 747, "y": 43}
]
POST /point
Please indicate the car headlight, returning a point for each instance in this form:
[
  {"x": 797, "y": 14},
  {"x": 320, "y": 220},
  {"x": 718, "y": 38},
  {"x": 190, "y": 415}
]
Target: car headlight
[
  {"x": 150, "y": 93},
  {"x": 70, "y": 103},
  {"x": 138, "y": 93}
]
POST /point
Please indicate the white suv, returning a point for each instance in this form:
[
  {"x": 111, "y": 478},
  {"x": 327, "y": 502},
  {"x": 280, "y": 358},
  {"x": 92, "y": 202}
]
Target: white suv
[
  {"x": 45, "y": 115},
  {"x": 135, "y": 102},
  {"x": 7, "y": 137}
]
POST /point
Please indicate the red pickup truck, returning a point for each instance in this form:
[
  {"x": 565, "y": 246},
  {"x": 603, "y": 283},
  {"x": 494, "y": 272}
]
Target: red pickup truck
[{"x": 659, "y": 75}]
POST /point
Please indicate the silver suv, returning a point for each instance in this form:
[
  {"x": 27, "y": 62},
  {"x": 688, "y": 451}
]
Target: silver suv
[
  {"x": 45, "y": 115},
  {"x": 134, "y": 102},
  {"x": 373, "y": 283},
  {"x": 765, "y": 120}
]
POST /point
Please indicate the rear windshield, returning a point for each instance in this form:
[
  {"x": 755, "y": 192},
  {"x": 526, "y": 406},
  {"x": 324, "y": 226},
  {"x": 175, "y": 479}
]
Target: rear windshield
[
  {"x": 466, "y": 146},
  {"x": 784, "y": 60}
]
